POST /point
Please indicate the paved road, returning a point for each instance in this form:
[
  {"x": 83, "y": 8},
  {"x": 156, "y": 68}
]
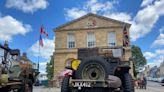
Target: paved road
[
  {"x": 152, "y": 87},
  {"x": 43, "y": 89}
]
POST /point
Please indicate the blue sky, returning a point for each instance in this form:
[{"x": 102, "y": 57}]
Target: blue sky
[{"x": 20, "y": 22}]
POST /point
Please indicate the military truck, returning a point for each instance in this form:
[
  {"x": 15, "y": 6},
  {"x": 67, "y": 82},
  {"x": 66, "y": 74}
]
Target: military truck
[
  {"x": 15, "y": 75},
  {"x": 98, "y": 70}
]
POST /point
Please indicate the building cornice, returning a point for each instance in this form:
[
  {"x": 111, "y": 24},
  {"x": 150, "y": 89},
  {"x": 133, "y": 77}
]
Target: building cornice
[{"x": 80, "y": 29}]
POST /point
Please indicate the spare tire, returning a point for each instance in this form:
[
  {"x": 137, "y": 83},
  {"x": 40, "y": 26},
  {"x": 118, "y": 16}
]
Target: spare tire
[{"x": 93, "y": 68}]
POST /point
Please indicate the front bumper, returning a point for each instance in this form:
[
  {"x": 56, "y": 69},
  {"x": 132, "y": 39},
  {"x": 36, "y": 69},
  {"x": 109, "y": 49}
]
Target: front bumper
[{"x": 111, "y": 82}]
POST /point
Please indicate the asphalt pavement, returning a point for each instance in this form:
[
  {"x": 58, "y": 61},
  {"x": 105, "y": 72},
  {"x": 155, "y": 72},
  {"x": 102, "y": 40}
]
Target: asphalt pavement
[{"x": 151, "y": 87}]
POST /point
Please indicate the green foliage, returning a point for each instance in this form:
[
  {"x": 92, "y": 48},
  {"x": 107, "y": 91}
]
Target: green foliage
[
  {"x": 50, "y": 68},
  {"x": 138, "y": 59}
]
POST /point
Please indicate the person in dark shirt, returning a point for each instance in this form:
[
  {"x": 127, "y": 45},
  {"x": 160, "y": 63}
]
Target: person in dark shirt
[{"x": 144, "y": 82}]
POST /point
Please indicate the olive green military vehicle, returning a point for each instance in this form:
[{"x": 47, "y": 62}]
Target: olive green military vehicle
[
  {"x": 15, "y": 75},
  {"x": 98, "y": 70}
]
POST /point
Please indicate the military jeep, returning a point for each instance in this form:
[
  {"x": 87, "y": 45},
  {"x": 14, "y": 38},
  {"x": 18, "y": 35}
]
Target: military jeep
[
  {"x": 98, "y": 70},
  {"x": 15, "y": 75}
]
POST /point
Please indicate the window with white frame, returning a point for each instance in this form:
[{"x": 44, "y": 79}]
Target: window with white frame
[
  {"x": 112, "y": 39},
  {"x": 91, "y": 39},
  {"x": 71, "y": 40}
]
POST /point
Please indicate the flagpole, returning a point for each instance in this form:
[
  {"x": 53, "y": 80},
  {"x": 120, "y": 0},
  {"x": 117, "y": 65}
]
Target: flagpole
[
  {"x": 38, "y": 53},
  {"x": 41, "y": 41},
  {"x": 38, "y": 57}
]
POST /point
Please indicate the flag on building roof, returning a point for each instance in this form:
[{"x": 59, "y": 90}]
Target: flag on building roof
[{"x": 125, "y": 36}]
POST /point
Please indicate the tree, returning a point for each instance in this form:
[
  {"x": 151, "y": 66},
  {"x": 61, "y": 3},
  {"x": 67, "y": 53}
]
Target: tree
[
  {"x": 50, "y": 68},
  {"x": 138, "y": 59}
]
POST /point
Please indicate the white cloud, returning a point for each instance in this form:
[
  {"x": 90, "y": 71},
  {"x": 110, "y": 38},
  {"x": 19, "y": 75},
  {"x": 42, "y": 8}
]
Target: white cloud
[
  {"x": 160, "y": 52},
  {"x": 159, "y": 42},
  {"x": 93, "y": 6},
  {"x": 42, "y": 67},
  {"x": 10, "y": 26},
  {"x": 149, "y": 55},
  {"x": 74, "y": 13},
  {"x": 142, "y": 23},
  {"x": 27, "y": 6},
  {"x": 157, "y": 53},
  {"x": 157, "y": 61},
  {"x": 161, "y": 30},
  {"x": 146, "y": 18},
  {"x": 46, "y": 51},
  {"x": 146, "y": 2},
  {"x": 156, "y": 57},
  {"x": 125, "y": 17}
]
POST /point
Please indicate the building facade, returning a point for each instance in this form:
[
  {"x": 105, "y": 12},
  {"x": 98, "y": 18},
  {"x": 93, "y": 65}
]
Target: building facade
[
  {"x": 88, "y": 31},
  {"x": 161, "y": 68}
]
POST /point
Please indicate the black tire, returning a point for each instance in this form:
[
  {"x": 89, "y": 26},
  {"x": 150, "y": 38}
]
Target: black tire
[
  {"x": 27, "y": 87},
  {"x": 96, "y": 89},
  {"x": 4, "y": 89},
  {"x": 30, "y": 84},
  {"x": 65, "y": 84},
  {"x": 128, "y": 85},
  {"x": 94, "y": 68}
]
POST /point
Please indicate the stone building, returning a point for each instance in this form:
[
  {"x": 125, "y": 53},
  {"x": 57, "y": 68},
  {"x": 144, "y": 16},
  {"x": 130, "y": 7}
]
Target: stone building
[
  {"x": 87, "y": 31},
  {"x": 161, "y": 68}
]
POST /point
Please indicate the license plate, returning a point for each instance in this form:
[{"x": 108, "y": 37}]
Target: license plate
[{"x": 81, "y": 84}]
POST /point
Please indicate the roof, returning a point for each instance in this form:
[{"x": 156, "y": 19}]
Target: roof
[{"x": 91, "y": 14}]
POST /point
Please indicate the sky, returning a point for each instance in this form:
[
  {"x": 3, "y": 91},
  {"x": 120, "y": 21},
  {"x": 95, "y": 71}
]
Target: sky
[{"x": 20, "y": 22}]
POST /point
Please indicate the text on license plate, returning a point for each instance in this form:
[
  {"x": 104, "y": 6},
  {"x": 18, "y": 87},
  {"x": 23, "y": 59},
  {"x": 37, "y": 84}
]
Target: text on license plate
[{"x": 81, "y": 84}]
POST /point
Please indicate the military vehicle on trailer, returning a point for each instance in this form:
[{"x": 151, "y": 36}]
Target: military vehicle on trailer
[
  {"x": 98, "y": 70},
  {"x": 15, "y": 75}
]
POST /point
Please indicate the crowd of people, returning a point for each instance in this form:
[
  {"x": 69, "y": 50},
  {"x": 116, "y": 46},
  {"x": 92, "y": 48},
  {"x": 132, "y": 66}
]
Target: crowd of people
[{"x": 141, "y": 83}]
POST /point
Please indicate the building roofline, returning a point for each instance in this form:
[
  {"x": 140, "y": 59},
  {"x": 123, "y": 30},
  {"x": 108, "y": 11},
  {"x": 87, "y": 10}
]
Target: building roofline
[{"x": 90, "y": 14}]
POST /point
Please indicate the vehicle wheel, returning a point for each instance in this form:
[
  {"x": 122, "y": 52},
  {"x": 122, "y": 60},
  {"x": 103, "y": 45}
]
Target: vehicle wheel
[
  {"x": 4, "y": 89},
  {"x": 93, "y": 90},
  {"x": 93, "y": 68},
  {"x": 128, "y": 83},
  {"x": 27, "y": 87},
  {"x": 65, "y": 84}
]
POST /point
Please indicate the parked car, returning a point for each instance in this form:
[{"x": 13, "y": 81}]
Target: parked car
[
  {"x": 37, "y": 83},
  {"x": 160, "y": 79},
  {"x": 162, "y": 82}
]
